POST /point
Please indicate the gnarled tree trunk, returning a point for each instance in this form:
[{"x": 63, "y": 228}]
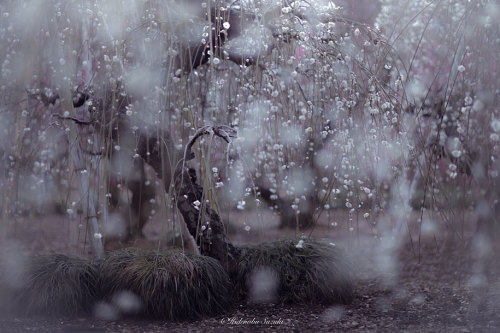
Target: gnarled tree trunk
[{"x": 203, "y": 223}]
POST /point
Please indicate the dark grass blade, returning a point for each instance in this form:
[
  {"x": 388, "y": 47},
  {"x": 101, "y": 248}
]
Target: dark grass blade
[
  {"x": 170, "y": 284},
  {"x": 57, "y": 284},
  {"x": 315, "y": 272}
]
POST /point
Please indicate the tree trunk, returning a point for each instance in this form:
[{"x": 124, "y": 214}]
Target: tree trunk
[
  {"x": 203, "y": 223},
  {"x": 288, "y": 217},
  {"x": 87, "y": 196}
]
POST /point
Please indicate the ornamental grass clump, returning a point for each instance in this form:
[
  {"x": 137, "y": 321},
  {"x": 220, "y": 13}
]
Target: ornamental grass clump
[
  {"x": 57, "y": 284},
  {"x": 306, "y": 271},
  {"x": 170, "y": 284}
]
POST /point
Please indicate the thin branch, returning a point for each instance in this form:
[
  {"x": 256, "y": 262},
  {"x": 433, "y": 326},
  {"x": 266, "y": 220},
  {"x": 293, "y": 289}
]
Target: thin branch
[{"x": 76, "y": 120}]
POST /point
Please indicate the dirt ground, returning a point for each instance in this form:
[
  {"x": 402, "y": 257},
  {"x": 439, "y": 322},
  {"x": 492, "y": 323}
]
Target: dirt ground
[{"x": 454, "y": 287}]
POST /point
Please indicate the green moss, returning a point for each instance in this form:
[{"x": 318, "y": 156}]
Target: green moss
[
  {"x": 315, "y": 272},
  {"x": 170, "y": 284},
  {"x": 57, "y": 284}
]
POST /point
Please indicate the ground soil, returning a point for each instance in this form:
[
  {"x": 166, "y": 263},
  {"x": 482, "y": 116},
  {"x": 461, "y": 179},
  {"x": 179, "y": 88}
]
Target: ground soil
[{"x": 446, "y": 281}]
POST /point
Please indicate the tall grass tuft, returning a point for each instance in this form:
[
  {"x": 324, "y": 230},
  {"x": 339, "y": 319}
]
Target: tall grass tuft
[
  {"x": 57, "y": 284},
  {"x": 306, "y": 270},
  {"x": 170, "y": 284}
]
